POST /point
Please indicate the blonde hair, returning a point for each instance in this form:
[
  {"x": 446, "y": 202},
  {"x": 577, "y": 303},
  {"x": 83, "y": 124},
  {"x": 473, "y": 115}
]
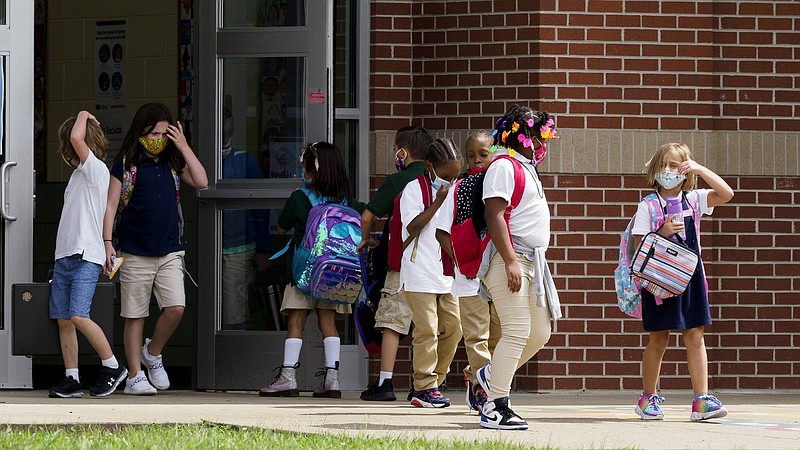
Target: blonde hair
[
  {"x": 656, "y": 164},
  {"x": 95, "y": 139}
]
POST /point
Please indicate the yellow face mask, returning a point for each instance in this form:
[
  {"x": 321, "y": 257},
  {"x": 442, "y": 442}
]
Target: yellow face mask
[
  {"x": 153, "y": 146},
  {"x": 63, "y": 157}
]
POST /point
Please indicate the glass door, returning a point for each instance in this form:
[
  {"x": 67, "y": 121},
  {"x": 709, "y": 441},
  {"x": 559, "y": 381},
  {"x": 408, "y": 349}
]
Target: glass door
[
  {"x": 16, "y": 174},
  {"x": 264, "y": 92}
]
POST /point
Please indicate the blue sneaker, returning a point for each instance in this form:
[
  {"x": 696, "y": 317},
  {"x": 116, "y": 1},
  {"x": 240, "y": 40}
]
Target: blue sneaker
[
  {"x": 647, "y": 408},
  {"x": 706, "y": 406},
  {"x": 475, "y": 396},
  {"x": 484, "y": 376},
  {"x": 429, "y": 398}
]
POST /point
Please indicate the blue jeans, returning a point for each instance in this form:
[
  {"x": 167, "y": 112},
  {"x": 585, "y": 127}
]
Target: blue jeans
[{"x": 72, "y": 288}]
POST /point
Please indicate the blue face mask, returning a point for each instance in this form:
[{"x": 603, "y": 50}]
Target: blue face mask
[
  {"x": 437, "y": 182},
  {"x": 399, "y": 164}
]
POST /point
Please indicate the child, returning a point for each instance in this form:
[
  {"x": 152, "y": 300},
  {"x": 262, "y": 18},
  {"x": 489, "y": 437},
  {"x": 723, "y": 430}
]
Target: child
[
  {"x": 154, "y": 160},
  {"x": 393, "y": 316},
  {"x": 80, "y": 256},
  {"x": 672, "y": 172},
  {"x": 518, "y": 278},
  {"x": 325, "y": 173},
  {"x": 479, "y": 321},
  {"x": 434, "y": 310}
]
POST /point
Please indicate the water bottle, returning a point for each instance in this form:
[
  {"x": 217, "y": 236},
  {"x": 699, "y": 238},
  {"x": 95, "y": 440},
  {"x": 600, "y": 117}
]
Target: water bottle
[{"x": 675, "y": 206}]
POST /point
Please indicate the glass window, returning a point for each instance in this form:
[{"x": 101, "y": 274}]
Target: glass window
[
  {"x": 3, "y": 11},
  {"x": 264, "y": 13},
  {"x": 251, "y": 286},
  {"x": 345, "y": 54},
  {"x": 263, "y": 116},
  {"x": 346, "y": 138}
]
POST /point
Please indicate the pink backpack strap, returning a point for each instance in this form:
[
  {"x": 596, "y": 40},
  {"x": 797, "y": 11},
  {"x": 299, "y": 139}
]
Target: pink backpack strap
[{"x": 427, "y": 190}]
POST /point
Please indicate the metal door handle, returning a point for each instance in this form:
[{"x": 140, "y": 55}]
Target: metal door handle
[{"x": 3, "y": 170}]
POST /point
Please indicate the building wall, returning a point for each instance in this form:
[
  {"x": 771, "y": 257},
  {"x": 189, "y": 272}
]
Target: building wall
[{"x": 623, "y": 77}]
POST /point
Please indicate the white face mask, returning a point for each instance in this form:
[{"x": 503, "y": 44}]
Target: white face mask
[
  {"x": 669, "y": 180},
  {"x": 437, "y": 183}
]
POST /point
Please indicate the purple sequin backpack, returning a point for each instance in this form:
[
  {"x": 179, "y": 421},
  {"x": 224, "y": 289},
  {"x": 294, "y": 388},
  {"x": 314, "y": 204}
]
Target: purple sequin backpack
[{"x": 326, "y": 264}]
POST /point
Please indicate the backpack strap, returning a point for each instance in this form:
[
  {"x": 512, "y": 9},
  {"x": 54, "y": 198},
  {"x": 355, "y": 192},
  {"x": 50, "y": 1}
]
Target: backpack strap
[
  {"x": 427, "y": 199},
  {"x": 313, "y": 196},
  {"x": 519, "y": 182}
]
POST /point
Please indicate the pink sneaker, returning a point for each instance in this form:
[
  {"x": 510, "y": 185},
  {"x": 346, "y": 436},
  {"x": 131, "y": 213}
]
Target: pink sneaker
[
  {"x": 706, "y": 406},
  {"x": 648, "y": 408}
]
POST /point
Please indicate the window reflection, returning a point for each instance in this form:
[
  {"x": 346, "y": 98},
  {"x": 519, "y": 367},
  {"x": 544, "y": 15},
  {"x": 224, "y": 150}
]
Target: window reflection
[{"x": 264, "y": 13}]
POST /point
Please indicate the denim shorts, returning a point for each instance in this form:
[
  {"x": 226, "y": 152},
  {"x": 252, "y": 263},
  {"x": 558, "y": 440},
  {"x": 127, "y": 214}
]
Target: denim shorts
[{"x": 72, "y": 288}]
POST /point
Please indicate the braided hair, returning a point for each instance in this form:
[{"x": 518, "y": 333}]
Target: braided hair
[
  {"x": 520, "y": 126},
  {"x": 443, "y": 150}
]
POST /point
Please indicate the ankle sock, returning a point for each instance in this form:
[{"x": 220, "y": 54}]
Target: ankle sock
[
  {"x": 111, "y": 363},
  {"x": 72, "y": 373},
  {"x": 291, "y": 351},
  {"x": 384, "y": 376}
]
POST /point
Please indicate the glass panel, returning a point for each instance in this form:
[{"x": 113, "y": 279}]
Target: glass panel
[
  {"x": 264, "y": 116},
  {"x": 251, "y": 286},
  {"x": 346, "y": 138},
  {"x": 263, "y": 13},
  {"x": 345, "y": 54},
  {"x": 3, "y": 11}
]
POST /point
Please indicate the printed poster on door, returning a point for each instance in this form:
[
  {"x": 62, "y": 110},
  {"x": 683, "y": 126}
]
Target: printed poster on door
[{"x": 109, "y": 65}]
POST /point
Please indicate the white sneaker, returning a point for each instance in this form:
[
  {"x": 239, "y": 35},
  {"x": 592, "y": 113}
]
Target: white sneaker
[
  {"x": 155, "y": 368},
  {"x": 138, "y": 385}
]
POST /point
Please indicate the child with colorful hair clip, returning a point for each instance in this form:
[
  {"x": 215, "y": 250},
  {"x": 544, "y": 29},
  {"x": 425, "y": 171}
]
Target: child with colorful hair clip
[
  {"x": 673, "y": 173},
  {"x": 514, "y": 269}
]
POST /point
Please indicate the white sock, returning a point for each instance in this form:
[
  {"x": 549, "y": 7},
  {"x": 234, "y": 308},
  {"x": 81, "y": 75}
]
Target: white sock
[
  {"x": 384, "y": 376},
  {"x": 331, "y": 350},
  {"x": 72, "y": 373},
  {"x": 110, "y": 362},
  {"x": 291, "y": 351}
]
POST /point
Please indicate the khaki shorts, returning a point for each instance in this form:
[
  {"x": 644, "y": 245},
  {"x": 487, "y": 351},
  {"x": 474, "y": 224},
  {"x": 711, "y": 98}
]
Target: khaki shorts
[
  {"x": 141, "y": 276},
  {"x": 294, "y": 298},
  {"x": 393, "y": 311}
]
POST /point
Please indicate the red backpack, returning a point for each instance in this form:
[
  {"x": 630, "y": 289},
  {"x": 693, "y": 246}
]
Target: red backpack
[
  {"x": 469, "y": 235},
  {"x": 396, "y": 245}
]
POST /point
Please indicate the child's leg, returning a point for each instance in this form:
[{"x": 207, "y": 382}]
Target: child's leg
[
  {"x": 331, "y": 342},
  {"x": 494, "y": 328},
  {"x": 473, "y": 311},
  {"x": 390, "y": 341},
  {"x": 651, "y": 361},
  {"x": 540, "y": 333},
  {"x": 450, "y": 325},
  {"x": 167, "y": 323},
  {"x": 133, "y": 336},
  {"x": 296, "y": 323},
  {"x": 69, "y": 343},
  {"x": 426, "y": 340},
  {"x": 169, "y": 291},
  {"x": 697, "y": 359},
  {"x": 94, "y": 334}
]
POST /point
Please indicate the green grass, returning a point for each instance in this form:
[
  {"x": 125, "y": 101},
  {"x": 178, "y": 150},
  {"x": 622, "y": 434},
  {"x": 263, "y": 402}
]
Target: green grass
[{"x": 208, "y": 436}]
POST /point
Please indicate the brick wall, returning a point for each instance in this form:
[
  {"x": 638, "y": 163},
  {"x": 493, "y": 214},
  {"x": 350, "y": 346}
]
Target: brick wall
[{"x": 622, "y": 77}]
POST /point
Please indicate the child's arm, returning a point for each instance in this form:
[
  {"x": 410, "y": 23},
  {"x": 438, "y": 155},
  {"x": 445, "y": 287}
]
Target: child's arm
[
  {"x": 367, "y": 241},
  {"x": 498, "y": 230},
  {"x": 443, "y": 237},
  {"x": 721, "y": 192},
  {"x": 193, "y": 174},
  {"x": 114, "y": 191},
  {"x": 416, "y": 226},
  {"x": 78, "y": 136}
]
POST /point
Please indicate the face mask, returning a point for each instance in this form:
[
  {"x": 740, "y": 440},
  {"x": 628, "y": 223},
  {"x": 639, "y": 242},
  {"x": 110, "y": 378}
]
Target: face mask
[
  {"x": 539, "y": 153},
  {"x": 225, "y": 152},
  {"x": 399, "y": 164},
  {"x": 437, "y": 183},
  {"x": 669, "y": 180},
  {"x": 63, "y": 157},
  {"x": 153, "y": 146}
]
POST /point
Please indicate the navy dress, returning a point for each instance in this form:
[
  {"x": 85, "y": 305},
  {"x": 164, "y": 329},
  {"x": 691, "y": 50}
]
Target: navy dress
[{"x": 688, "y": 311}]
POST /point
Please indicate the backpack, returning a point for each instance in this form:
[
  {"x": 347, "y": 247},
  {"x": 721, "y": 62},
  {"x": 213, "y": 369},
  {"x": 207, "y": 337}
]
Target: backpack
[
  {"x": 128, "y": 182},
  {"x": 326, "y": 264},
  {"x": 469, "y": 234},
  {"x": 397, "y": 246},
  {"x": 627, "y": 285},
  {"x": 364, "y": 312}
]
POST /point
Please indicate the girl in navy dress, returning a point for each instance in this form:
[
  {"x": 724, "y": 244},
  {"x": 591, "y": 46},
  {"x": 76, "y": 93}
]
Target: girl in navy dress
[{"x": 673, "y": 173}]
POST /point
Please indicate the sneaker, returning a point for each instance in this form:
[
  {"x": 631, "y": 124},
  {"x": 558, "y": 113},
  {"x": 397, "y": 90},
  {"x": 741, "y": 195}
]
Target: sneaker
[
  {"x": 285, "y": 384},
  {"x": 497, "y": 415},
  {"x": 429, "y": 398},
  {"x": 706, "y": 406},
  {"x": 484, "y": 376},
  {"x": 647, "y": 408},
  {"x": 155, "y": 368},
  {"x": 472, "y": 402},
  {"x": 108, "y": 381},
  {"x": 383, "y": 392},
  {"x": 138, "y": 385},
  {"x": 67, "y": 388},
  {"x": 329, "y": 388}
]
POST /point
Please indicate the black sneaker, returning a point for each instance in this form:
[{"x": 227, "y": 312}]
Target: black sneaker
[
  {"x": 68, "y": 388},
  {"x": 379, "y": 393},
  {"x": 108, "y": 380},
  {"x": 497, "y": 415}
]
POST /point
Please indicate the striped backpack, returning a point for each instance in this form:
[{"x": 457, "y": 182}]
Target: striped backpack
[{"x": 627, "y": 285}]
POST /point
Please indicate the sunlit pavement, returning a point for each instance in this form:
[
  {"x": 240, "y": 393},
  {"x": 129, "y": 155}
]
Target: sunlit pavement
[{"x": 605, "y": 419}]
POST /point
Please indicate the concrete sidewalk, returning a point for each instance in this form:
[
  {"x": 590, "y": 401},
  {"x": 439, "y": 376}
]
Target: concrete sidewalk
[{"x": 564, "y": 420}]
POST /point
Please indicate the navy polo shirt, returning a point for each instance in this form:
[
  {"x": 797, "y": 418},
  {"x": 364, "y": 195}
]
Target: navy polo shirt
[{"x": 149, "y": 224}]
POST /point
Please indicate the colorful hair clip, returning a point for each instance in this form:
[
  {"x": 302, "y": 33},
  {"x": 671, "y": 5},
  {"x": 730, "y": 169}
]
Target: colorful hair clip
[
  {"x": 530, "y": 123},
  {"x": 514, "y": 127}
]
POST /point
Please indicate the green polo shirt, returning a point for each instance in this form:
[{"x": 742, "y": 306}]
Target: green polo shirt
[{"x": 383, "y": 202}]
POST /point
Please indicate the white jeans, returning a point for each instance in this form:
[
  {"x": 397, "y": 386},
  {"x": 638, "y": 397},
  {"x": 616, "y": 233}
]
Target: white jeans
[{"x": 525, "y": 326}]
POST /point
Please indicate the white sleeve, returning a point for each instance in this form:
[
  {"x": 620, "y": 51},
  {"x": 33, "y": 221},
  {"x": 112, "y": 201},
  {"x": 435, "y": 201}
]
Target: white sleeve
[
  {"x": 702, "y": 200},
  {"x": 410, "y": 205},
  {"x": 499, "y": 180},
  {"x": 444, "y": 219},
  {"x": 641, "y": 223},
  {"x": 93, "y": 169}
]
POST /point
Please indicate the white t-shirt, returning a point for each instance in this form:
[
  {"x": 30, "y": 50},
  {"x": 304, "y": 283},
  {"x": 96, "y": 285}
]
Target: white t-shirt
[
  {"x": 641, "y": 225},
  {"x": 462, "y": 286},
  {"x": 425, "y": 274},
  {"x": 530, "y": 220},
  {"x": 80, "y": 230}
]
